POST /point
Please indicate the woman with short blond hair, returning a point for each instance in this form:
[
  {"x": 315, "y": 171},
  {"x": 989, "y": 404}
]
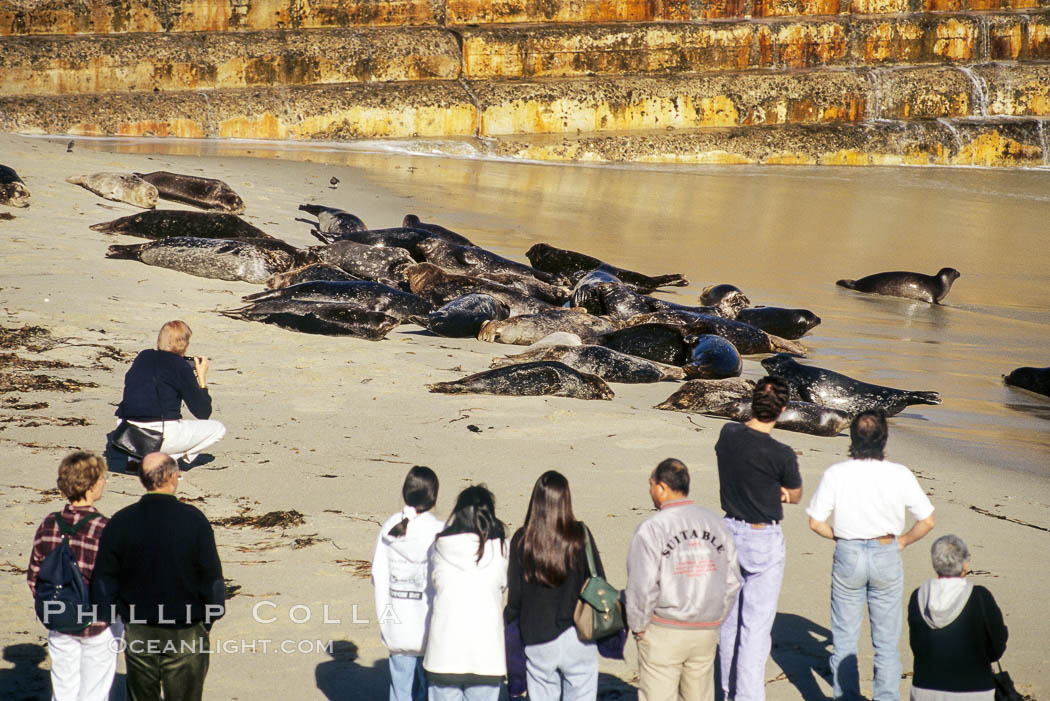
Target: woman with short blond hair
[
  {"x": 82, "y": 662},
  {"x": 158, "y": 383}
]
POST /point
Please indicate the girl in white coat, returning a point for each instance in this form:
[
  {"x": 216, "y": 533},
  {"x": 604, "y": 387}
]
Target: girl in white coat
[
  {"x": 465, "y": 659},
  {"x": 400, "y": 575}
]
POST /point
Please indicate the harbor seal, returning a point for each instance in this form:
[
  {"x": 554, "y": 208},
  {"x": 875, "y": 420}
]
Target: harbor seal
[
  {"x": 118, "y": 187},
  {"x": 700, "y": 396},
  {"x": 248, "y": 260},
  {"x": 618, "y": 301},
  {"x": 397, "y": 237},
  {"x": 800, "y": 417},
  {"x": 713, "y": 358},
  {"x": 470, "y": 260},
  {"x": 333, "y": 222},
  {"x": 583, "y": 291},
  {"x": 713, "y": 294},
  {"x": 528, "y": 380},
  {"x": 366, "y": 294},
  {"x": 463, "y": 316},
  {"x": 411, "y": 221},
  {"x": 526, "y": 284},
  {"x": 309, "y": 273},
  {"x": 163, "y": 223},
  {"x": 526, "y": 329},
  {"x": 747, "y": 339},
  {"x": 559, "y": 261},
  {"x": 661, "y": 343},
  {"x": 205, "y": 193},
  {"x": 606, "y": 363},
  {"x": 791, "y": 324},
  {"x": 441, "y": 287},
  {"x": 838, "y": 391},
  {"x": 899, "y": 283},
  {"x": 13, "y": 192},
  {"x": 1032, "y": 379},
  {"x": 380, "y": 264},
  {"x": 326, "y": 318}
]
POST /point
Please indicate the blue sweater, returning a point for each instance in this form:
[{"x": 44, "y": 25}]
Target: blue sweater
[{"x": 176, "y": 382}]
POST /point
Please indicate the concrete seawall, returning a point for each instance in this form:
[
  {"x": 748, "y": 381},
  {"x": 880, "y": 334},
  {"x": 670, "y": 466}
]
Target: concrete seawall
[{"x": 728, "y": 81}]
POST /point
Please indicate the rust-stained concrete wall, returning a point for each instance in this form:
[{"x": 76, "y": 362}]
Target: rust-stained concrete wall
[{"x": 756, "y": 81}]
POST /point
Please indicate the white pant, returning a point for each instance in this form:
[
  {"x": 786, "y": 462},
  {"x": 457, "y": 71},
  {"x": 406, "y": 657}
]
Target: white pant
[
  {"x": 186, "y": 438},
  {"x": 82, "y": 669}
]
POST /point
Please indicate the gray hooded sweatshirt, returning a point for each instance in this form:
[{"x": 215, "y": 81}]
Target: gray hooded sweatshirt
[{"x": 941, "y": 600}]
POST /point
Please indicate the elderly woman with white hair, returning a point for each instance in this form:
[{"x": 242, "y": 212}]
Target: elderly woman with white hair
[{"x": 956, "y": 630}]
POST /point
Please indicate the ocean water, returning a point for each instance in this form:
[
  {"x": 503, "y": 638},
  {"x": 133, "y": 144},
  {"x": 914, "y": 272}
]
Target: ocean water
[{"x": 784, "y": 235}]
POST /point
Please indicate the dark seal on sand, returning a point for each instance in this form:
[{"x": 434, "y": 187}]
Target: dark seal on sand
[
  {"x": 530, "y": 379},
  {"x": 573, "y": 265},
  {"x": 205, "y": 193},
  {"x": 13, "y": 192},
  {"x": 164, "y": 223}
]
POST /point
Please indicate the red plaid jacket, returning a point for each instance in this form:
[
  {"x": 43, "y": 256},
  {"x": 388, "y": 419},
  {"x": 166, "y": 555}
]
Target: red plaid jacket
[{"x": 84, "y": 546}]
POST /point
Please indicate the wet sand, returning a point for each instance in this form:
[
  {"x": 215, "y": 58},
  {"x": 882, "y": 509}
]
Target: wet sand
[{"x": 327, "y": 427}]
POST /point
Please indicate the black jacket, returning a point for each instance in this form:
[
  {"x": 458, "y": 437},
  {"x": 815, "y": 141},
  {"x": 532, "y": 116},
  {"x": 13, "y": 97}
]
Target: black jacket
[
  {"x": 146, "y": 399},
  {"x": 158, "y": 565}
]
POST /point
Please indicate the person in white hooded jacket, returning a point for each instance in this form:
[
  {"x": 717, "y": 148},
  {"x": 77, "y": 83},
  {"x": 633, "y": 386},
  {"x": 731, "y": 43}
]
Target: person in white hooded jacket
[
  {"x": 400, "y": 569},
  {"x": 465, "y": 657}
]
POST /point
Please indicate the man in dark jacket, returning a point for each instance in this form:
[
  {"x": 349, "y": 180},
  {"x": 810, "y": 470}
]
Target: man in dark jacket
[{"x": 158, "y": 569}]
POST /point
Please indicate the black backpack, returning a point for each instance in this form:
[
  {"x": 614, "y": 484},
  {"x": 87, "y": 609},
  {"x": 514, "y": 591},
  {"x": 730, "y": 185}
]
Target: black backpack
[{"x": 61, "y": 594}]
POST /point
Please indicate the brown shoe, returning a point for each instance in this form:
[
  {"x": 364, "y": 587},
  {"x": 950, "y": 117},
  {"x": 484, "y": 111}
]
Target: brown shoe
[{"x": 133, "y": 467}]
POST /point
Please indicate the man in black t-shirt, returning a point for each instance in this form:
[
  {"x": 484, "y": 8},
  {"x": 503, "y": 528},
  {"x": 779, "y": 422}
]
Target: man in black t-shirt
[{"x": 756, "y": 474}]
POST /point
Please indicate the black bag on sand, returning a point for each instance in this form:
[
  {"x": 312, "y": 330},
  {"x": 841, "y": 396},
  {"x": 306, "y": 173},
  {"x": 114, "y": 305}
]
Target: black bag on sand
[
  {"x": 136, "y": 441},
  {"x": 1004, "y": 686}
]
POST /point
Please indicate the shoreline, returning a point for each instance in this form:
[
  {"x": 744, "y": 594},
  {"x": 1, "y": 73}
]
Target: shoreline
[{"x": 329, "y": 426}]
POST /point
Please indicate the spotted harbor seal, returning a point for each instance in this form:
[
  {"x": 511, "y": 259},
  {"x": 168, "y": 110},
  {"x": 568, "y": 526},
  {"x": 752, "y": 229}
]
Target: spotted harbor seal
[
  {"x": 1032, "y": 379},
  {"x": 326, "y": 318},
  {"x": 380, "y": 264},
  {"x": 526, "y": 329},
  {"x": 530, "y": 379},
  {"x": 747, "y": 339},
  {"x": 205, "y": 193},
  {"x": 469, "y": 260},
  {"x": 163, "y": 223},
  {"x": 838, "y": 391},
  {"x": 713, "y": 358},
  {"x": 13, "y": 192},
  {"x": 899, "y": 283},
  {"x": 661, "y": 343},
  {"x": 791, "y": 324},
  {"x": 366, "y": 294},
  {"x": 309, "y": 273},
  {"x": 620, "y": 302},
  {"x": 399, "y": 237},
  {"x": 606, "y": 363},
  {"x": 713, "y": 294},
  {"x": 570, "y": 263},
  {"x": 526, "y": 284},
  {"x": 412, "y": 222},
  {"x": 800, "y": 417},
  {"x": 583, "y": 291},
  {"x": 118, "y": 187},
  {"x": 699, "y": 396},
  {"x": 441, "y": 287},
  {"x": 332, "y": 222},
  {"x": 463, "y": 316},
  {"x": 249, "y": 260}
]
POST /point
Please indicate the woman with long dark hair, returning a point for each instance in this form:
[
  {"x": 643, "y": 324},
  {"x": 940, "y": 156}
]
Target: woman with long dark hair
[
  {"x": 465, "y": 658},
  {"x": 548, "y": 568}
]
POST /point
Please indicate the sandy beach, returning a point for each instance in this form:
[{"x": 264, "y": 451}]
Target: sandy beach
[{"x": 327, "y": 427}]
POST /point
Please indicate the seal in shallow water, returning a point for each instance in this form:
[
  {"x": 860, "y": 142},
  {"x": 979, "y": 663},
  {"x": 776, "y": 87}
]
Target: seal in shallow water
[
  {"x": 13, "y": 192},
  {"x": 791, "y": 324},
  {"x": 606, "y": 363},
  {"x": 571, "y": 264},
  {"x": 205, "y": 193},
  {"x": 838, "y": 391},
  {"x": 249, "y": 260},
  {"x": 326, "y": 318},
  {"x": 118, "y": 187},
  {"x": 1032, "y": 379},
  {"x": 899, "y": 283},
  {"x": 530, "y": 379},
  {"x": 526, "y": 329},
  {"x": 162, "y": 223}
]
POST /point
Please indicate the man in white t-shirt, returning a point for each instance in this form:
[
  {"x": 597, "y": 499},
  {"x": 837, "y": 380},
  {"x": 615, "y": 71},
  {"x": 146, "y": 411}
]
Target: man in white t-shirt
[{"x": 869, "y": 497}]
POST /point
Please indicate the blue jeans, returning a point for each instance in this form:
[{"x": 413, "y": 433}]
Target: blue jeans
[
  {"x": 865, "y": 570},
  {"x": 477, "y": 692},
  {"x": 744, "y": 639},
  {"x": 407, "y": 680},
  {"x": 563, "y": 668}
]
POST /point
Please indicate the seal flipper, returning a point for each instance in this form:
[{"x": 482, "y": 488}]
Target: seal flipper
[
  {"x": 848, "y": 284},
  {"x": 924, "y": 398},
  {"x": 672, "y": 280}
]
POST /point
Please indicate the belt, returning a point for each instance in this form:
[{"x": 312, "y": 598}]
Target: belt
[
  {"x": 756, "y": 526},
  {"x": 881, "y": 540}
]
